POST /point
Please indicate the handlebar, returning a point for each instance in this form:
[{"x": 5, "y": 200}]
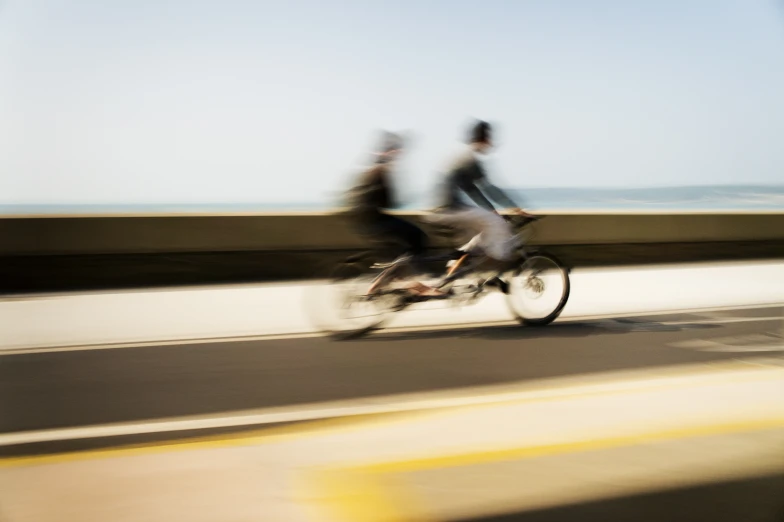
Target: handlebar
[{"x": 522, "y": 221}]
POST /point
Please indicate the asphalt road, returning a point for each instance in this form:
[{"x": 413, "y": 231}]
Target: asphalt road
[{"x": 87, "y": 387}]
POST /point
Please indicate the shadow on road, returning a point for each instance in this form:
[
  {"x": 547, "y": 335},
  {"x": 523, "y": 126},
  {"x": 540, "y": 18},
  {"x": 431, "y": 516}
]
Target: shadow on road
[
  {"x": 759, "y": 499},
  {"x": 553, "y": 331}
]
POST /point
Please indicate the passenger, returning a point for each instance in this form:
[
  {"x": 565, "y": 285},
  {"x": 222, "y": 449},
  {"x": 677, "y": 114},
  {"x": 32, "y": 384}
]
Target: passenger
[{"x": 370, "y": 200}]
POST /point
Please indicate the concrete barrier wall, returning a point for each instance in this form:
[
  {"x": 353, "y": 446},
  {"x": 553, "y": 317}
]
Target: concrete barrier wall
[
  {"x": 43, "y": 254},
  {"x": 281, "y": 232}
]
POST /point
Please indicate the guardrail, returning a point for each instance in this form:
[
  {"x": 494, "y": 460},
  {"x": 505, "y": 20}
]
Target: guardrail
[{"x": 59, "y": 253}]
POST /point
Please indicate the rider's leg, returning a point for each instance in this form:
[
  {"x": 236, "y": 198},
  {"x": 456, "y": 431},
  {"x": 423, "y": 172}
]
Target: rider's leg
[
  {"x": 470, "y": 263},
  {"x": 379, "y": 229},
  {"x": 473, "y": 244},
  {"x": 385, "y": 277},
  {"x": 499, "y": 244},
  {"x": 494, "y": 240},
  {"x": 416, "y": 243},
  {"x": 463, "y": 223},
  {"x": 497, "y": 236}
]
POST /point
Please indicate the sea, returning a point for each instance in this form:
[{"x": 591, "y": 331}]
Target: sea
[{"x": 691, "y": 198}]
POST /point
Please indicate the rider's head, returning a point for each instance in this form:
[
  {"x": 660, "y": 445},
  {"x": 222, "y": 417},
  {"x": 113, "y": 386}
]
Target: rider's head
[
  {"x": 480, "y": 136},
  {"x": 389, "y": 147}
]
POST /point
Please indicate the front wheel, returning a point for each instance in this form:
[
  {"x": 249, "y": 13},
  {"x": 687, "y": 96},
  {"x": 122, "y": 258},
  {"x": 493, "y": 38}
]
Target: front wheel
[{"x": 538, "y": 290}]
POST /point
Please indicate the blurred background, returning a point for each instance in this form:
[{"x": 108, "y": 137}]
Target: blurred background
[
  {"x": 199, "y": 105},
  {"x": 172, "y": 177}
]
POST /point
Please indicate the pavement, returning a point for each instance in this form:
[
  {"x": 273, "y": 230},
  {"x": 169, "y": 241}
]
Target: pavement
[
  {"x": 184, "y": 405},
  {"x": 287, "y": 309}
]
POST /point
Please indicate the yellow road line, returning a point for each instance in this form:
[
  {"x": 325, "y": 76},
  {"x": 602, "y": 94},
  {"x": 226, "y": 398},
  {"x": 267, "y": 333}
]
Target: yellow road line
[
  {"x": 355, "y": 496},
  {"x": 376, "y": 492},
  {"x": 355, "y": 422},
  {"x": 488, "y": 456}
]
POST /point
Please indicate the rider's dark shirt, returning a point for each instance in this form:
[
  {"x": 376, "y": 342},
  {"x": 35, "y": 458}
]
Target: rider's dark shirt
[{"x": 372, "y": 194}]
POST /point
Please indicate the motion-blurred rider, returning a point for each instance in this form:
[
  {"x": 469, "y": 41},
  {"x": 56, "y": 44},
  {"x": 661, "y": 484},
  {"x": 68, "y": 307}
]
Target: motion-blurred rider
[
  {"x": 369, "y": 201},
  {"x": 464, "y": 199}
]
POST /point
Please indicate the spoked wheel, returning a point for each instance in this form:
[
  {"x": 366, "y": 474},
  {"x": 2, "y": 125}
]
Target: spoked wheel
[
  {"x": 538, "y": 290},
  {"x": 342, "y": 309}
]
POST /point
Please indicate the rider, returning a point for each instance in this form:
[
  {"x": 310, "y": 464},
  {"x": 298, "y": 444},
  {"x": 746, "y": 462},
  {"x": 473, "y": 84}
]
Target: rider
[
  {"x": 372, "y": 196},
  {"x": 467, "y": 177}
]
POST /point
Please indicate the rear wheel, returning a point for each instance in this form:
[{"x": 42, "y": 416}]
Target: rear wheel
[
  {"x": 342, "y": 308},
  {"x": 538, "y": 290}
]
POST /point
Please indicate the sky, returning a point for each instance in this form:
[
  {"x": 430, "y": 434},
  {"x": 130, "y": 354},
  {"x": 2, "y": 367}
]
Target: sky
[{"x": 189, "y": 101}]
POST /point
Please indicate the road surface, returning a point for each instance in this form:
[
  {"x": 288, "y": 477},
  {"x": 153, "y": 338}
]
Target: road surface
[{"x": 177, "y": 405}]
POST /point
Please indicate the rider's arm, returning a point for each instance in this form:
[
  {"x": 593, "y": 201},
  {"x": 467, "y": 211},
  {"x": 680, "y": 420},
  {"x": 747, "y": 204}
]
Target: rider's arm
[
  {"x": 476, "y": 195},
  {"x": 466, "y": 176},
  {"x": 496, "y": 194},
  {"x": 482, "y": 184}
]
